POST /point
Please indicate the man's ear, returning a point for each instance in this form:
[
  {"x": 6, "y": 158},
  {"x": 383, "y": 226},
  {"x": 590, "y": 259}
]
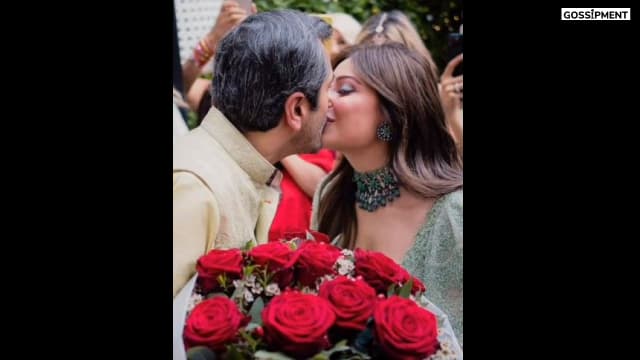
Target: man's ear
[{"x": 295, "y": 109}]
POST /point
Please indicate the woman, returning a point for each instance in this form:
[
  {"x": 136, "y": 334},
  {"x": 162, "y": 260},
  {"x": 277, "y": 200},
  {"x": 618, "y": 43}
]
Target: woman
[
  {"x": 395, "y": 26},
  {"x": 398, "y": 189}
]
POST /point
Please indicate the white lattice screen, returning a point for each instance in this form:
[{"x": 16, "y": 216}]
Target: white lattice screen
[{"x": 194, "y": 19}]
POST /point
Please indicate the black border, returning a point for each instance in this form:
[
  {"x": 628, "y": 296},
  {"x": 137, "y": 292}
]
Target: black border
[
  {"x": 547, "y": 151},
  {"x": 89, "y": 178},
  {"x": 549, "y": 166}
]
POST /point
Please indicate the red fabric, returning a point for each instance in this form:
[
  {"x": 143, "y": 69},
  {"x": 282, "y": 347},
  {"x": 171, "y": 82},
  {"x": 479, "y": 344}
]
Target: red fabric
[{"x": 294, "y": 211}]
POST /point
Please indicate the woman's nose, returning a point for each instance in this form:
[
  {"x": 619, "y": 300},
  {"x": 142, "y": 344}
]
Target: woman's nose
[{"x": 332, "y": 95}]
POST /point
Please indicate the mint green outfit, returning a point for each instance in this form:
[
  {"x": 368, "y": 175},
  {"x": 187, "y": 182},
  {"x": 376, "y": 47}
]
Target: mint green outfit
[{"x": 436, "y": 256}]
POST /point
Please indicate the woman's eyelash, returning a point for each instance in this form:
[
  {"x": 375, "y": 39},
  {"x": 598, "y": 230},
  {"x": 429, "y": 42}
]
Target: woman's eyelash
[{"x": 344, "y": 90}]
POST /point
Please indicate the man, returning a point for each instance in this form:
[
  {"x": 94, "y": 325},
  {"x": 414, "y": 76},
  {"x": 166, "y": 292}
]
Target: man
[{"x": 270, "y": 97}]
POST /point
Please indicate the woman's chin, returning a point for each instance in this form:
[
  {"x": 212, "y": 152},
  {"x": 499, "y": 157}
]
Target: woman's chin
[{"x": 327, "y": 141}]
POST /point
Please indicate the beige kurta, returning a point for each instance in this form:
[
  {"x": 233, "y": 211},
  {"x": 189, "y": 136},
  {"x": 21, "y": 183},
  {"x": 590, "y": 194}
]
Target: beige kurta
[{"x": 225, "y": 193}]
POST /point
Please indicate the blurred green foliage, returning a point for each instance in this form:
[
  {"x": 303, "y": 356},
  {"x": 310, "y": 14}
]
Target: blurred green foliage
[{"x": 434, "y": 19}]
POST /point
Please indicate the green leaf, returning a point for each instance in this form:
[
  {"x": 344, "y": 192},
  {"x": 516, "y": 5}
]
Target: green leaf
[
  {"x": 343, "y": 351},
  {"x": 406, "y": 289},
  {"x": 200, "y": 353},
  {"x": 248, "y": 270},
  {"x": 338, "y": 347},
  {"x": 391, "y": 290},
  {"x": 237, "y": 293},
  {"x": 233, "y": 353},
  {"x": 256, "y": 311},
  {"x": 192, "y": 119},
  {"x": 359, "y": 356},
  {"x": 222, "y": 280},
  {"x": 250, "y": 340},
  {"x": 268, "y": 355},
  {"x": 249, "y": 245},
  {"x": 365, "y": 338}
]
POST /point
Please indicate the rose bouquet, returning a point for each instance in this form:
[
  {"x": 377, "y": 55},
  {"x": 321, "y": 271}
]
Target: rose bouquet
[{"x": 305, "y": 298}]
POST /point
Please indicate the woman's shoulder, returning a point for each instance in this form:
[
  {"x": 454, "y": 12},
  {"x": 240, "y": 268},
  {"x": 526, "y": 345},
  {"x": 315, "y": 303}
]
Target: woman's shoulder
[
  {"x": 454, "y": 197},
  {"x": 452, "y": 203},
  {"x": 449, "y": 217},
  {"x": 445, "y": 219}
]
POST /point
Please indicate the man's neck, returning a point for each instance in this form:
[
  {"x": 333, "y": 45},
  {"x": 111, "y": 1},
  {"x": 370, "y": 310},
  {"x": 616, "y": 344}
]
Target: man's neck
[{"x": 268, "y": 145}]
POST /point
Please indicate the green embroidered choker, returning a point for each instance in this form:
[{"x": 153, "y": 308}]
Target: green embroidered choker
[{"x": 376, "y": 188}]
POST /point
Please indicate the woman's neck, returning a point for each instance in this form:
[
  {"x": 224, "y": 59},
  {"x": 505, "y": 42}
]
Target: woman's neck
[{"x": 367, "y": 160}]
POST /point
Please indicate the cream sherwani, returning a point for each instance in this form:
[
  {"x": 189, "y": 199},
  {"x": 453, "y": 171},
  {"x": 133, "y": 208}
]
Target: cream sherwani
[{"x": 225, "y": 193}]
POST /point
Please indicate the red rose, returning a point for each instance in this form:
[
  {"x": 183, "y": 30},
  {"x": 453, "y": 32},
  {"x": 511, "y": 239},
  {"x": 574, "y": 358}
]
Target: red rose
[
  {"x": 214, "y": 323},
  {"x": 353, "y": 301},
  {"x": 276, "y": 257},
  {"x": 316, "y": 259},
  {"x": 404, "y": 330},
  {"x": 297, "y": 323},
  {"x": 379, "y": 270},
  {"x": 216, "y": 263},
  {"x": 417, "y": 286}
]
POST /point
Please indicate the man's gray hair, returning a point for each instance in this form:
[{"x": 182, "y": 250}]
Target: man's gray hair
[{"x": 264, "y": 60}]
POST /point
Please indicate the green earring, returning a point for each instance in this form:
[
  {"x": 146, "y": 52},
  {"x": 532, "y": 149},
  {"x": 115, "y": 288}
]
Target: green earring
[{"x": 384, "y": 131}]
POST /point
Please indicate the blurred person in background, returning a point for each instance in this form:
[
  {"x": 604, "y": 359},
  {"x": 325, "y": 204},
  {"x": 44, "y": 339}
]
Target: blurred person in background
[
  {"x": 231, "y": 14},
  {"x": 394, "y": 26},
  {"x": 345, "y": 31}
]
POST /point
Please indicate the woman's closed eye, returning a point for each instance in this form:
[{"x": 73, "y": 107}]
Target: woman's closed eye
[{"x": 345, "y": 89}]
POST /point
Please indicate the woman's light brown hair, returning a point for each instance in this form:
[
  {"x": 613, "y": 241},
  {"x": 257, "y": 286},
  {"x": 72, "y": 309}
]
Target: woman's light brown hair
[{"x": 422, "y": 152}]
